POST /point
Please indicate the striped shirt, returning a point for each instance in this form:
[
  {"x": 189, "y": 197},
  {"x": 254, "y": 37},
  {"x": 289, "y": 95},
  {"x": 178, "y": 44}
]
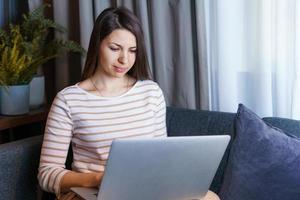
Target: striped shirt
[{"x": 90, "y": 123}]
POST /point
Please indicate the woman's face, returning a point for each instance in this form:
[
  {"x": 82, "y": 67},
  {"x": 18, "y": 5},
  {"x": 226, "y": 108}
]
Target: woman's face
[{"x": 117, "y": 53}]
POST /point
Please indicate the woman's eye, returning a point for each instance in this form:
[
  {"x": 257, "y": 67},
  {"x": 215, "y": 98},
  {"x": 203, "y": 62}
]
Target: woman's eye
[
  {"x": 133, "y": 51},
  {"x": 114, "y": 49}
]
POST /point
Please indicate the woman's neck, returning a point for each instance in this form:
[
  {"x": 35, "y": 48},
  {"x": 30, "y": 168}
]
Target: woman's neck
[
  {"x": 111, "y": 86},
  {"x": 109, "y": 83}
]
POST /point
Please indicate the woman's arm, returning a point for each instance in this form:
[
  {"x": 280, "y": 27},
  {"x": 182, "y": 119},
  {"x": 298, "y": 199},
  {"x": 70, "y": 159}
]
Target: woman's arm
[
  {"x": 57, "y": 138},
  {"x": 160, "y": 115},
  {"x": 53, "y": 176},
  {"x": 76, "y": 179}
]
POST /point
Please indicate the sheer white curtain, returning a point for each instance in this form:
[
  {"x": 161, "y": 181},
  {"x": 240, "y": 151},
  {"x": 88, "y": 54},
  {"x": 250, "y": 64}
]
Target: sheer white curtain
[{"x": 253, "y": 58}]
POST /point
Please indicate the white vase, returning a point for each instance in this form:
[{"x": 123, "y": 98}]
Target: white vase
[
  {"x": 14, "y": 99},
  {"x": 37, "y": 92}
]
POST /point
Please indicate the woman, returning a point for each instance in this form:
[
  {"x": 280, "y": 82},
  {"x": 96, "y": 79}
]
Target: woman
[{"x": 115, "y": 99}]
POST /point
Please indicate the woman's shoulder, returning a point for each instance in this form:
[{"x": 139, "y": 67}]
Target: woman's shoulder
[
  {"x": 149, "y": 84},
  {"x": 70, "y": 90},
  {"x": 149, "y": 87}
]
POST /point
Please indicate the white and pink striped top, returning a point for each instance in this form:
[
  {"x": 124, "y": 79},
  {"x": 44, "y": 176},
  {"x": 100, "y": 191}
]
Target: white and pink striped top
[{"x": 90, "y": 123}]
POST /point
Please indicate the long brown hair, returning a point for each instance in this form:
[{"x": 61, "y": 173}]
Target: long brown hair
[{"x": 108, "y": 21}]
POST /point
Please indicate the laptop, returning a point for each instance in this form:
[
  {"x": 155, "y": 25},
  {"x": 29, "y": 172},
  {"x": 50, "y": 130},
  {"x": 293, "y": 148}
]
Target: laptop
[{"x": 172, "y": 168}]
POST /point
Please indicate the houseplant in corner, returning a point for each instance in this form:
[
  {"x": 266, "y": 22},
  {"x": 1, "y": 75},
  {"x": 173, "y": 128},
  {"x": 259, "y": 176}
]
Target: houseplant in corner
[{"x": 23, "y": 48}]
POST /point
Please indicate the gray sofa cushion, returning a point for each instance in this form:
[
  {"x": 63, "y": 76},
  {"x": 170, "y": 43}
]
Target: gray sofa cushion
[
  {"x": 18, "y": 168},
  {"x": 185, "y": 122}
]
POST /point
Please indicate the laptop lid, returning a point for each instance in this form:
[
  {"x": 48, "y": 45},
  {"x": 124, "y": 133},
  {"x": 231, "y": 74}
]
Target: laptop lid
[{"x": 173, "y": 168}]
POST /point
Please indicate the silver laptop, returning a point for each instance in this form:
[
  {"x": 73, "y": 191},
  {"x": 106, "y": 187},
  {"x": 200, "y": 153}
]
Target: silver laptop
[{"x": 173, "y": 168}]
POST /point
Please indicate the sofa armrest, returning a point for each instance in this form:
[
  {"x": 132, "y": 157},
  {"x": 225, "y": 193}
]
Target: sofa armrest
[{"x": 19, "y": 162}]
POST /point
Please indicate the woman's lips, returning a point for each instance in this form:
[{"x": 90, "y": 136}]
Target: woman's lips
[{"x": 120, "y": 69}]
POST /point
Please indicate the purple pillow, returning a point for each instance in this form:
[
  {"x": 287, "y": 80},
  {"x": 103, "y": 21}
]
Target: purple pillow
[{"x": 264, "y": 162}]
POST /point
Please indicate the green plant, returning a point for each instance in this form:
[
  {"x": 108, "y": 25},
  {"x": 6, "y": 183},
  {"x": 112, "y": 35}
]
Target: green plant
[{"x": 26, "y": 46}]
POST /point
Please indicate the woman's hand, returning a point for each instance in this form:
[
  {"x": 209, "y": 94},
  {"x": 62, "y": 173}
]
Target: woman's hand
[{"x": 76, "y": 179}]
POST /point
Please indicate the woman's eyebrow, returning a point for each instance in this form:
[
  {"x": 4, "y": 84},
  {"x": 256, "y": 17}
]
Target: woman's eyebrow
[{"x": 121, "y": 45}]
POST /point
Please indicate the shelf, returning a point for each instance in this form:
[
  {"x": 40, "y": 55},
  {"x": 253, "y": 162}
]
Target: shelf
[{"x": 37, "y": 115}]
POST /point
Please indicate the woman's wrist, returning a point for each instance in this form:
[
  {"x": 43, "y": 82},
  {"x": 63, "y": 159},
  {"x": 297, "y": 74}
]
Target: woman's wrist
[
  {"x": 97, "y": 177},
  {"x": 92, "y": 179}
]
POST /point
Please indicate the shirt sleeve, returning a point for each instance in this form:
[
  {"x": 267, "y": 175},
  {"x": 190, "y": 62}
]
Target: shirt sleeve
[
  {"x": 160, "y": 116},
  {"x": 57, "y": 137}
]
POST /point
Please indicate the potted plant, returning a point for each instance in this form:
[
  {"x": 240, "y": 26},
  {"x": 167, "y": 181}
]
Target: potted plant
[{"x": 23, "y": 48}]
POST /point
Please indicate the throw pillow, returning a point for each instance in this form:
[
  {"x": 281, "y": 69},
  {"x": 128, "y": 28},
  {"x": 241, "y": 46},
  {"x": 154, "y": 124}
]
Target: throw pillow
[{"x": 264, "y": 162}]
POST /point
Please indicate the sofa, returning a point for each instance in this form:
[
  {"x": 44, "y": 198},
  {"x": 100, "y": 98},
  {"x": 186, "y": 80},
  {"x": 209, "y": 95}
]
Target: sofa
[{"x": 19, "y": 159}]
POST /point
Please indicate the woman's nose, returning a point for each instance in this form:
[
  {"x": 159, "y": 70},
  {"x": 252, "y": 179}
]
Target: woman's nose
[{"x": 123, "y": 58}]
